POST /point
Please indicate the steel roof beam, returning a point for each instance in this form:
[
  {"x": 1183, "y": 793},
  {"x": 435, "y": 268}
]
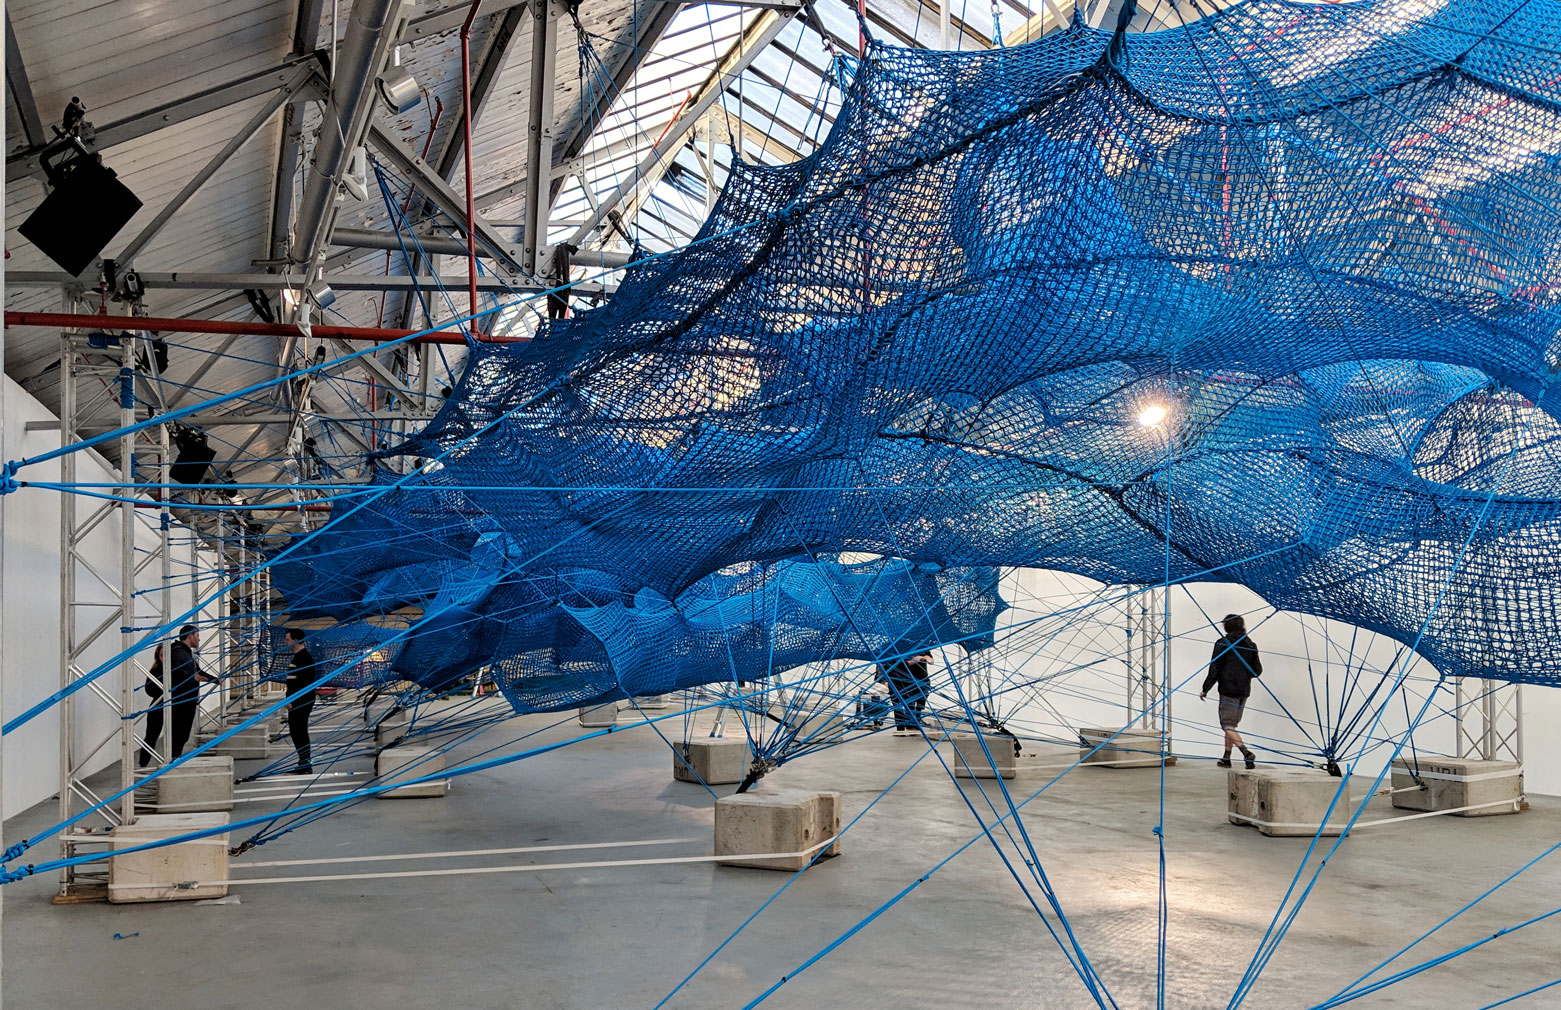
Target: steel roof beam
[
  {"x": 489, "y": 68},
  {"x": 447, "y": 245},
  {"x": 594, "y": 110},
  {"x": 180, "y": 110},
  {"x": 545, "y": 15},
  {"x": 262, "y": 116},
  {"x": 650, "y": 170},
  {"x": 190, "y": 280},
  {"x": 439, "y": 192},
  {"x": 22, "y": 90},
  {"x": 484, "y": 82},
  {"x": 450, "y": 19}
]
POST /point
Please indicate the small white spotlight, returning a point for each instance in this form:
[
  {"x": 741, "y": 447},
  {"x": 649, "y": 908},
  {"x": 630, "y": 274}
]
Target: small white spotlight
[
  {"x": 399, "y": 90},
  {"x": 1152, "y": 415},
  {"x": 322, "y": 294}
]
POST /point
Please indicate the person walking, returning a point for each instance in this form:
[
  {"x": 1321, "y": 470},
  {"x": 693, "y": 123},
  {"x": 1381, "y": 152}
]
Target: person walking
[
  {"x": 301, "y": 694},
  {"x": 1234, "y": 663},
  {"x": 185, "y": 680}
]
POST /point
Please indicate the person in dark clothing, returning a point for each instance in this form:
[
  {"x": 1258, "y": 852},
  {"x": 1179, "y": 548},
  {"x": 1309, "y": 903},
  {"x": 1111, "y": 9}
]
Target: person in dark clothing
[
  {"x": 301, "y": 694},
  {"x": 921, "y": 666},
  {"x": 908, "y": 681},
  {"x": 1234, "y": 663},
  {"x": 154, "y": 713},
  {"x": 185, "y": 679}
]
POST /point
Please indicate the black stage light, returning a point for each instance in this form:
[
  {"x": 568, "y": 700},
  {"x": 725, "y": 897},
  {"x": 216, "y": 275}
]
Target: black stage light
[
  {"x": 85, "y": 209},
  {"x": 193, "y": 459}
]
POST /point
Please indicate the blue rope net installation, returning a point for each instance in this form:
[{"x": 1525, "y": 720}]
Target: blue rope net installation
[
  {"x": 1269, "y": 299},
  {"x": 1320, "y": 241}
]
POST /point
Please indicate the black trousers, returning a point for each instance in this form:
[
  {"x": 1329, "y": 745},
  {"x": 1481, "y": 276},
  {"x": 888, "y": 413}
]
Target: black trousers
[
  {"x": 298, "y": 726},
  {"x": 907, "y": 695},
  {"x": 183, "y": 722},
  {"x": 154, "y": 725}
]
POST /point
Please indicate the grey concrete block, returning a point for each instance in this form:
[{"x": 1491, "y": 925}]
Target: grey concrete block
[
  {"x": 1129, "y": 748},
  {"x": 970, "y": 762},
  {"x": 250, "y": 744},
  {"x": 202, "y": 783},
  {"x": 717, "y": 761},
  {"x": 178, "y": 872},
  {"x": 821, "y": 725},
  {"x": 403, "y": 764},
  {"x": 1453, "y": 784},
  {"x": 775, "y": 829},
  {"x": 1286, "y": 803},
  {"x": 599, "y": 716},
  {"x": 391, "y": 729}
]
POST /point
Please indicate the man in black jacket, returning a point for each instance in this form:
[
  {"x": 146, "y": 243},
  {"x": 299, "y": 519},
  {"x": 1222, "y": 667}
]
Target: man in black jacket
[
  {"x": 185, "y": 678},
  {"x": 300, "y": 692},
  {"x": 1234, "y": 664}
]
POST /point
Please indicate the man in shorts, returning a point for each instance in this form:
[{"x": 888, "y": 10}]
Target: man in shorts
[{"x": 1234, "y": 664}]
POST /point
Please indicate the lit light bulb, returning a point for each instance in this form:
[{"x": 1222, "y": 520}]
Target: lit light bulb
[{"x": 1152, "y": 415}]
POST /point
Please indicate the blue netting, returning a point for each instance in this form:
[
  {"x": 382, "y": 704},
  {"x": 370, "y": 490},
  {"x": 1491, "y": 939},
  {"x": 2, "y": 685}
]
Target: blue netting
[{"x": 1323, "y": 237}]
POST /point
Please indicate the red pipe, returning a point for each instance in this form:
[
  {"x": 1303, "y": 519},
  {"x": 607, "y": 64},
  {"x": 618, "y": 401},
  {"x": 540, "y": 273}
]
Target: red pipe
[
  {"x": 466, "y": 125},
  {"x": 372, "y": 334}
]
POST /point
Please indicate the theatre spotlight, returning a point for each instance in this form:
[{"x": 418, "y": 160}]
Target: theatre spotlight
[
  {"x": 321, "y": 293},
  {"x": 87, "y": 204},
  {"x": 398, "y": 88},
  {"x": 194, "y": 456}
]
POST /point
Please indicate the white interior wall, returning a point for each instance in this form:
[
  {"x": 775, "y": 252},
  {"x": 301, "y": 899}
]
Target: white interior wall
[
  {"x": 1306, "y": 670},
  {"x": 30, "y": 650}
]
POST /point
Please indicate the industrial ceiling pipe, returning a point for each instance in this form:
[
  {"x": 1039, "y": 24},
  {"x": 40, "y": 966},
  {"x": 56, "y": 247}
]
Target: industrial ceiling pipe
[
  {"x": 371, "y": 334},
  {"x": 353, "y": 90}
]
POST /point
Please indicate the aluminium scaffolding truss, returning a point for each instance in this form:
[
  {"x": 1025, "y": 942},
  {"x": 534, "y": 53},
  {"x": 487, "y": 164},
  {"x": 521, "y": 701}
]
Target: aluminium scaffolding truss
[{"x": 94, "y": 603}]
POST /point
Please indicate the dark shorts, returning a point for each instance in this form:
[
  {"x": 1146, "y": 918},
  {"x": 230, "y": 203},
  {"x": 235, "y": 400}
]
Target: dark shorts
[{"x": 1230, "y": 712}]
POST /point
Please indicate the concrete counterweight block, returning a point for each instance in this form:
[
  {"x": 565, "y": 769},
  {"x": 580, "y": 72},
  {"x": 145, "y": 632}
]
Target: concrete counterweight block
[
  {"x": 403, "y": 764},
  {"x": 253, "y": 743},
  {"x": 194, "y": 869},
  {"x": 970, "y": 762},
  {"x": 824, "y": 724},
  {"x": 599, "y": 716},
  {"x": 202, "y": 783},
  {"x": 1285, "y": 804},
  {"x": 1128, "y": 748},
  {"x": 1463, "y": 786},
  {"x": 392, "y": 728},
  {"x": 782, "y": 821},
  {"x": 714, "y": 760}
]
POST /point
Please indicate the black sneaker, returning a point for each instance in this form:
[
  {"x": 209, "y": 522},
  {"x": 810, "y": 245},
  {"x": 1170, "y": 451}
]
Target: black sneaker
[
  {"x": 302, "y": 770},
  {"x": 1222, "y": 763},
  {"x": 1251, "y": 762}
]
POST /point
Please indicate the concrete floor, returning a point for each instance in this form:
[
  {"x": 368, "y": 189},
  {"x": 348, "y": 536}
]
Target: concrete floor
[{"x": 625, "y": 936}]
